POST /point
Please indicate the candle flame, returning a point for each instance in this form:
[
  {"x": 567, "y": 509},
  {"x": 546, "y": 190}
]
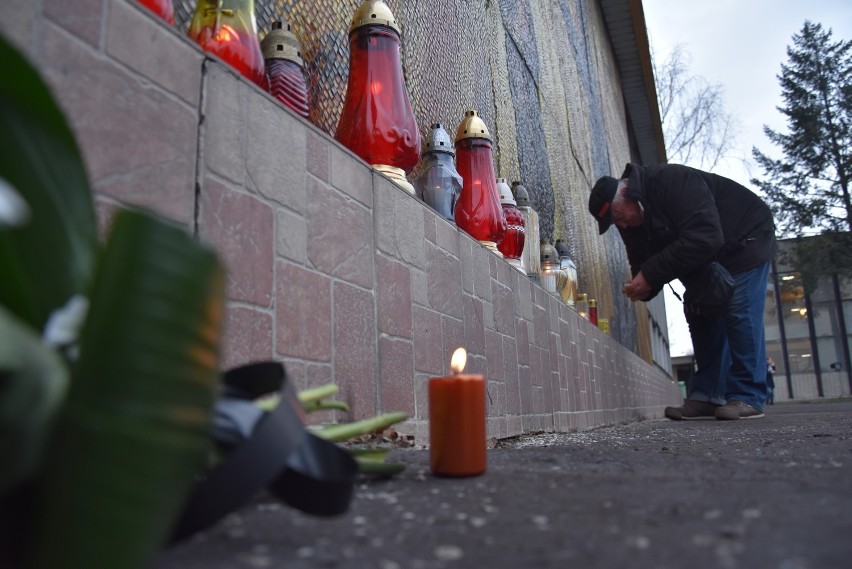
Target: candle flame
[
  {"x": 226, "y": 34},
  {"x": 459, "y": 360}
]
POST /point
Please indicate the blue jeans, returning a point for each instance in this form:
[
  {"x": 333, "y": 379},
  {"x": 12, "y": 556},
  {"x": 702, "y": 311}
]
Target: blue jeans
[{"x": 730, "y": 350}]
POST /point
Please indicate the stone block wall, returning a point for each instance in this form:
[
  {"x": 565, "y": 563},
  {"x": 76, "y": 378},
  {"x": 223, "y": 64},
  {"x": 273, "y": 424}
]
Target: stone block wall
[{"x": 332, "y": 269}]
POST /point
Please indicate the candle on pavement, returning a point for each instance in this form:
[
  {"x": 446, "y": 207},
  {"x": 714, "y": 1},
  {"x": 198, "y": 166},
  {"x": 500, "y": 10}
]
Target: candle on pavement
[{"x": 457, "y": 421}]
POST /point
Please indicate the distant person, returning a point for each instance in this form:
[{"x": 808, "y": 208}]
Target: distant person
[
  {"x": 770, "y": 381},
  {"x": 674, "y": 222}
]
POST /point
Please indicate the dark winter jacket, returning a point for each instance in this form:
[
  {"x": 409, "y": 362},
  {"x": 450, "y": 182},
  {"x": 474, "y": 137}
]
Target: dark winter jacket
[{"x": 690, "y": 218}]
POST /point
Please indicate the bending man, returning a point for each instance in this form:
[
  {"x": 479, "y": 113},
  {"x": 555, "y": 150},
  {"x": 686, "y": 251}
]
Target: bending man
[{"x": 675, "y": 221}]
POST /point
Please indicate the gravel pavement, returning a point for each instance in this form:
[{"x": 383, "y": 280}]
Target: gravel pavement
[{"x": 773, "y": 492}]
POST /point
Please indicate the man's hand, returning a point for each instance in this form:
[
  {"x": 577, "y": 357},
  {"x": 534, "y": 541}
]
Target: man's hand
[{"x": 638, "y": 288}]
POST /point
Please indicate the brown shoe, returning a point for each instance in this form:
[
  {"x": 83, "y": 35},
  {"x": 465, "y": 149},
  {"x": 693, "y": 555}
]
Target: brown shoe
[
  {"x": 737, "y": 410},
  {"x": 692, "y": 410}
]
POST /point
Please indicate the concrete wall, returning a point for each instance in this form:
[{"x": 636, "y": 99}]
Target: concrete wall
[{"x": 332, "y": 269}]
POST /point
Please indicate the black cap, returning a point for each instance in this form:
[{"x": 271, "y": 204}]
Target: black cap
[{"x": 600, "y": 201}]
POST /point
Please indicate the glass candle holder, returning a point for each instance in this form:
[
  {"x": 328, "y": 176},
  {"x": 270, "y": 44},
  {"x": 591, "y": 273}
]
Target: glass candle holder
[
  {"x": 228, "y": 30},
  {"x": 551, "y": 276},
  {"x": 439, "y": 183},
  {"x": 285, "y": 68},
  {"x": 377, "y": 122},
  {"x": 581, "y": 304},
  {"x": 163, "y": 8},
  {"x": 512, "y": 245},
  {"x": 593, "y": 311},
  {"x": 532, "y": 247},
  {"x": 568, "y": 292},
  {"x": 478, "y": 210}
]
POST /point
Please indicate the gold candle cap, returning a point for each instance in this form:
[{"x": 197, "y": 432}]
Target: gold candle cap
[
  {"x": 374, "y": 12},
  {"x": 281, "y": 43},
  {"x": 472, "y": 127}
]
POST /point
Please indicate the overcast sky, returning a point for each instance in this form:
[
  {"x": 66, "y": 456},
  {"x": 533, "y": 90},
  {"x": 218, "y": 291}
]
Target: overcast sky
[{"x": 739, "y": 44}]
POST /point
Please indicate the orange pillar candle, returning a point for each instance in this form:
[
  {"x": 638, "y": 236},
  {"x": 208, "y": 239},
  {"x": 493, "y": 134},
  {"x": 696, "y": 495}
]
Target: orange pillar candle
[{"x": 457, "y": 421}]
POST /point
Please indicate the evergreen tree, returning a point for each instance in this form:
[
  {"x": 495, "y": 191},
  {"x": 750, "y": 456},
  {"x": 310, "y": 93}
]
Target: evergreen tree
[{"x": 808, "y": 189}]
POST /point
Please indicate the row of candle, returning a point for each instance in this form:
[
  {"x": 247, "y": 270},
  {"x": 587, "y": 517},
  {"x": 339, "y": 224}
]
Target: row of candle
[
  {"x": 470, "y": 196},
  {"x": 378, "y": 124},
  {"x": 228, "y": 29},
  {"x": 559, "y": 276}
]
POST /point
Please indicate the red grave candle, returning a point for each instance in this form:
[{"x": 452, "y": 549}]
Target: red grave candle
[
  {"x": 512, "y": 245},
  {"x": 478, "y": 210},
  {"x": 377, "y": 122},
  {"x": 457, "y": 422},
  {"x": 283, "y": 57},
  {"x": 163, "y": 8},
  {"x": 593, "y": 312},
  {"x": 228, "y": 29}
]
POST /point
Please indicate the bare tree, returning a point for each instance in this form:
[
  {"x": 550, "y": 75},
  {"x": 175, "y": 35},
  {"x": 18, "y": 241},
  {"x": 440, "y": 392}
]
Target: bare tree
[{"x": 698, "y": 130}]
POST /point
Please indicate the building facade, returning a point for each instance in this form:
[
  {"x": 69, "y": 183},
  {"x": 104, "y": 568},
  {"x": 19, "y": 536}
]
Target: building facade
[{"x": 808, "y": 331}]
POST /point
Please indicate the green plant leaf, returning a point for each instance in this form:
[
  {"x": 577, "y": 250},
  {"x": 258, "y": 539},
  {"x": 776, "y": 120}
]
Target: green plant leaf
[
  {"x": 33, "y": 381},
  {"x": 135, "y": 429},
  {"x": 49, "y": 259}
]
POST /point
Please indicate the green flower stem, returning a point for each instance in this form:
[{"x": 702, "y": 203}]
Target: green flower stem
[
  {"x": 317, "y": 393},
  {"x": 331, "y": 404},
  {"x": 346, "y": 431}
]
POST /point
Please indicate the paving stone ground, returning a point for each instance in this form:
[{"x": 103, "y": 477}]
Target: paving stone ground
[{"x": 763, "y": 493}]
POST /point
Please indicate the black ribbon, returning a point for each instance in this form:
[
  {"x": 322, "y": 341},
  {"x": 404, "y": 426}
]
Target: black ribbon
[{"x": 304, "y": 471}]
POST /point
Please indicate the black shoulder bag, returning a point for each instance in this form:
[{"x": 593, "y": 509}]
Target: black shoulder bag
[{"x": 708, "y": 290}]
